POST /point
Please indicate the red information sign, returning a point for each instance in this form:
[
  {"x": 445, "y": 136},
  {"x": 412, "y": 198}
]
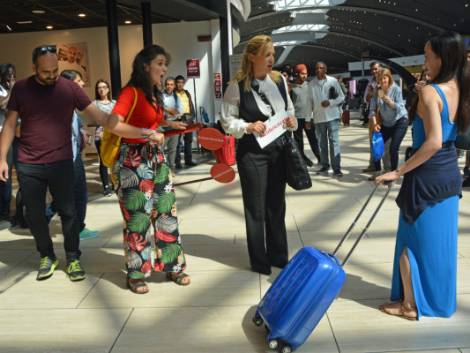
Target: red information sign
[
  {"x": 218, "y": 85},
  {"x": 222, "y": 173},
  {"x": 192, "y": 68},
  {"x": 211, "y": 139}
]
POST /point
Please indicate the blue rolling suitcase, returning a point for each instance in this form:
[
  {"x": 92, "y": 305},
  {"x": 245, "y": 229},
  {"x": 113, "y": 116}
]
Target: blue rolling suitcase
[{"x": 304, "y": 290}]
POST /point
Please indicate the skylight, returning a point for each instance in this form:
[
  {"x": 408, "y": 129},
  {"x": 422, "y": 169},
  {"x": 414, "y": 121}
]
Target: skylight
[
  {"x": 281, "y": 5},
  {"x": 302, "y": 28}
]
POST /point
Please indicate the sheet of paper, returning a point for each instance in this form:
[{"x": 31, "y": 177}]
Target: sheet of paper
[{"x": 274, "y": 129}]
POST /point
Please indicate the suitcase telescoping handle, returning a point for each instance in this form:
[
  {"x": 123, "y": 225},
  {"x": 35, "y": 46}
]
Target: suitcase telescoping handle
[{"x": 348, "y": 232}]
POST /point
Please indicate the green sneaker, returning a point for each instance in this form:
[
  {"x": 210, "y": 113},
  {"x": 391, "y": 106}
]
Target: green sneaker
[
  {"x": 87, "y": 233},
  {"x": 47, "y": 267},
  {"x": 75, "y": 271}
]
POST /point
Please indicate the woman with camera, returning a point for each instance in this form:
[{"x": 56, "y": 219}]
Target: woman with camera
[{"x": 388, "y": 115}]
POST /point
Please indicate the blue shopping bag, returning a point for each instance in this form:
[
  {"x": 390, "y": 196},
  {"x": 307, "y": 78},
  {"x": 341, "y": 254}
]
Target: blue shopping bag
[{"x": 377, "y": 146}]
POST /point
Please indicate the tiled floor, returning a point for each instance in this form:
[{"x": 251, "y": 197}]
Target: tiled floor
[{"x": 213, "y": 314}]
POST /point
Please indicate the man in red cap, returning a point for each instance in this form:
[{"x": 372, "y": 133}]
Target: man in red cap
[{"x": 302, "y": 99}]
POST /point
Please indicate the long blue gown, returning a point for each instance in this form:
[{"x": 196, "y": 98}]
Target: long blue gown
[{"x": 431, "y": 241}]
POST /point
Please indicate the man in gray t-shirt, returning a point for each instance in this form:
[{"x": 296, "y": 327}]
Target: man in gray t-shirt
[{"x": 303, "y": 112}]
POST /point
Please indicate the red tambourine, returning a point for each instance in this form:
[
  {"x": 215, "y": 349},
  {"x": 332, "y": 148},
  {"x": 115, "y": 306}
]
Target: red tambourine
[{"x": 211, "y": 139}]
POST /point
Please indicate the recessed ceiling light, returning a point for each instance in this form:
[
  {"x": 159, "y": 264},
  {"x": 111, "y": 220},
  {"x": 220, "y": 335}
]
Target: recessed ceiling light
[
  {"x": 127, "y": 22},
  {"x": 49, "y": 27},
  {"x": 24, "y": 22},
  {"x": 38, "y": 12},
  {"x": 82, "y": 14}
]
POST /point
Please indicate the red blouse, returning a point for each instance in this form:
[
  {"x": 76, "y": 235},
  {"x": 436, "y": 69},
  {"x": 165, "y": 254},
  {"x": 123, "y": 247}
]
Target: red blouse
[{"x": 145, "y": 115}]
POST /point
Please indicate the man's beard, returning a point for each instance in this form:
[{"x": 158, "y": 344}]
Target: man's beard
[{"x": 48, "y": 82}]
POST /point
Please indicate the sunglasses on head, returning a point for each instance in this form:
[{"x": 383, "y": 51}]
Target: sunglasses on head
[{"x": 44, "y": 49}]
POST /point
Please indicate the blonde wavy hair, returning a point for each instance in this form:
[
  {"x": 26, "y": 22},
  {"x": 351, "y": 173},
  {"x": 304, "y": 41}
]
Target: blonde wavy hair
[
  {"x": 255, "y": 46},
  {"x": 386, "y": 72}
]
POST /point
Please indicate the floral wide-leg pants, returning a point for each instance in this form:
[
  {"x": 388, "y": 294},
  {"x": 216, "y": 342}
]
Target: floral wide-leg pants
[{"x": 147, "y": 201}]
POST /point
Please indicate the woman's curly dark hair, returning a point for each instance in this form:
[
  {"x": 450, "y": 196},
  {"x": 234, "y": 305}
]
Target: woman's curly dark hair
[{"x": 140, "y": 78}]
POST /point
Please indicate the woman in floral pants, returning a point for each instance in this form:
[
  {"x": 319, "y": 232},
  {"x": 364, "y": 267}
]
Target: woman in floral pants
[{"x": 145, "y": 190}]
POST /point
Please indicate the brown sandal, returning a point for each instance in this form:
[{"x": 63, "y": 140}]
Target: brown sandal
[
  {"x": 400, "y": 310},
  {"x": 179, "y": 278},
  {"x": 137, "y": 286}
]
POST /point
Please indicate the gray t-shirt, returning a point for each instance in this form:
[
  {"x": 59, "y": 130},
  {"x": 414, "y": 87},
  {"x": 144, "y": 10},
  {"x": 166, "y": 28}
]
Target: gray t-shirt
[
  {"x": 302, "y": 100},
  {"x": 105, "y": 107}
]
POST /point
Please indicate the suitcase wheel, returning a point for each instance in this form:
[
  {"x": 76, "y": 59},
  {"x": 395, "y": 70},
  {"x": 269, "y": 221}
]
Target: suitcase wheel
[
  {"x": 273, "y": 344},
  {"x": 279, "y": 345},
  {"x": 286, "y": 349},
  {"x": 258, "y": 320}
]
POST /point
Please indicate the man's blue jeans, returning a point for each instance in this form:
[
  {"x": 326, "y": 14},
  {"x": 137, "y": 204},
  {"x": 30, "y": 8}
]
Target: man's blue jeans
[{"x": 328, "y": 134}]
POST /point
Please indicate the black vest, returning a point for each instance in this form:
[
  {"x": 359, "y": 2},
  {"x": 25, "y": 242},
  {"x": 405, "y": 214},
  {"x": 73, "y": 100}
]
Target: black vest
[{"x": 249, "y": 111}]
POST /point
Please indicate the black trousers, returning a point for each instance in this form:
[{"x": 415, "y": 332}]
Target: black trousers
[
  {"x": 263, "y": 182},
  {"x": 34, "y": 180},
  {"x": 188, "y": 152},
  {"x": 103, "y": 168},
  {"x": 80, "y": 191},
  {"x": 6, "y": 187},
  {"x": 396, "y": 132},
  {"x": 311, "y": 136}
]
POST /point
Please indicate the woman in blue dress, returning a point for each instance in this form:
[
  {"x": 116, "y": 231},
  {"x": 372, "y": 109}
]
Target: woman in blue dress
[{"x": 425, "y": 263}]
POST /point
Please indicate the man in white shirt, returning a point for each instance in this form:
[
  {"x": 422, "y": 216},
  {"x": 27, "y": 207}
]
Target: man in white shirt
[{"x": 327, "y": 98}]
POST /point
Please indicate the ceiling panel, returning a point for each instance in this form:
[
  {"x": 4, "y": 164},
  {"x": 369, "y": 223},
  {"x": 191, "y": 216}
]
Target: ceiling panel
[
  {"x": 63, "y": 14},
  {"x": 381, "y": 28}
]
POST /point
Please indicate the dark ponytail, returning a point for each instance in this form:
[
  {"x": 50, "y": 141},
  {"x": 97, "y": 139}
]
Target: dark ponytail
[{"x": 449, "y": 48}]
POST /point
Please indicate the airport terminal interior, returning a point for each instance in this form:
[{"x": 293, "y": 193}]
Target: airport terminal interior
[{"x": 212, "y": 302}]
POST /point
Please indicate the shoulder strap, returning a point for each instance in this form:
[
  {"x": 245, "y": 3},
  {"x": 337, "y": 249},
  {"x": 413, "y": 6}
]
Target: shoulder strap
[
  {"x": 282, "y": 89},
  {"x": 445, "y": 107},
  {"x": 133, "y": 105}
]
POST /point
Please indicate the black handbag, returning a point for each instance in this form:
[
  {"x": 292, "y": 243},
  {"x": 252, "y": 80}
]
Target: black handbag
[
  {"x": 297, "y": 175},
  {"x": 332, "y": 94}
]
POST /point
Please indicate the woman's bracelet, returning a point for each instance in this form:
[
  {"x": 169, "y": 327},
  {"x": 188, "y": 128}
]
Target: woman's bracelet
[{"x": 146, "y": 133}]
